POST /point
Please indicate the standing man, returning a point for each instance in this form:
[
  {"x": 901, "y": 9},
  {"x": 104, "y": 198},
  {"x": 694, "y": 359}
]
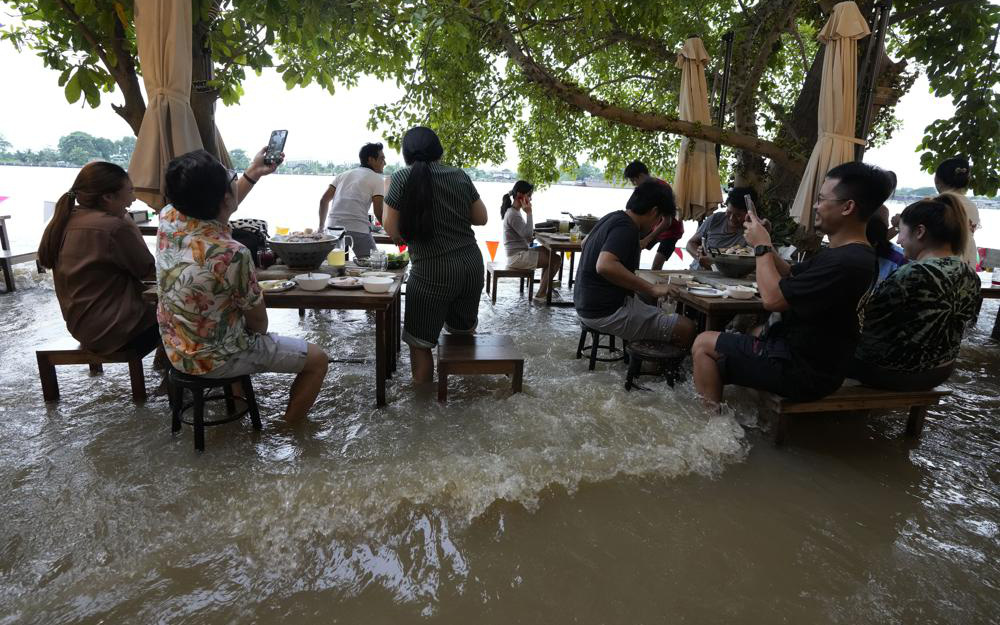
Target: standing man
[
  {"x": 668, "y": 232},
  {"x": 805, "y": 355},
  {"x": 352, "y": 193}
]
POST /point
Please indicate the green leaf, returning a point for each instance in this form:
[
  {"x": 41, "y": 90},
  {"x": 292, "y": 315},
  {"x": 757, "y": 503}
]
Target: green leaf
[{"x": 72, "y": 89}]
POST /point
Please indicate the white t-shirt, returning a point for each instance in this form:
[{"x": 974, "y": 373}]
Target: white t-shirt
[{"x": 355, "y": 190}]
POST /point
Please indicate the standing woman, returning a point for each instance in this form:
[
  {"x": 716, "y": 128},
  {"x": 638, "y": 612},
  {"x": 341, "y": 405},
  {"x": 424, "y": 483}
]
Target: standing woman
[
  {"x": 952, "y": 176},
  {"x": 518, "y": 232},
  {"x": 98, "y": 261},
  {"x": 432, "y": 207}
]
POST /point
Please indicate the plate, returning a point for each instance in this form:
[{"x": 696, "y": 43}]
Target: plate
[
  {"x": 346, "y": 283},
  {"x": 378, "y": 274},
  {"x": 705, "y": 291},
  {"x": 559, "y": 237},
  {"x": 276, "y": 286}
]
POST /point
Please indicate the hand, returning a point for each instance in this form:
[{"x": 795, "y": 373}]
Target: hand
[
  {"x": 755, "y": 233},
  {"x": 894, "y": 221},
  {"x": 259, "y": 168},
  {"x": 526, "y": 205},
  {"x": 705, "y": 261},
  {"x": 660, "y": 290}
]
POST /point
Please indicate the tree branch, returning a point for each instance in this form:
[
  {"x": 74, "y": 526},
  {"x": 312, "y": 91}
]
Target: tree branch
[
  {"x": 579, "y": 99},
  {"x": 923, "y": 8}
]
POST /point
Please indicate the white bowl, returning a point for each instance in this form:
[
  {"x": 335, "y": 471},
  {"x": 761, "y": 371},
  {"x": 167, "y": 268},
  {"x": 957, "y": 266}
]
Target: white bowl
[
  {"x": 312, "y": 281},
  {"x": 376, "y": 285},
  {"x": 740, "y": 292}
]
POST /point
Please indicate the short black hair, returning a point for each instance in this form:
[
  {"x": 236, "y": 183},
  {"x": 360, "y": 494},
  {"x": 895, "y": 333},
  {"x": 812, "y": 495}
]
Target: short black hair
[
  {"x": 868, "y": 185},
  {"x": 369, "y": 150},
  {"x": 737, "y": 197},
  {"x": 196, "y": 182},
  {"x": 635, "y": 168},
  {"x": 652, "y": 194},
  {"x": 954, "y": 172}
]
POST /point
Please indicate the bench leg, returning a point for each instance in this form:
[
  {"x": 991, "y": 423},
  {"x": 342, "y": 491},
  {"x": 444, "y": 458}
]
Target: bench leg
[
  {"x": 487, "y": 283},
  {"x": 521, "y": 283},
  {"x": 8, "y": 275},
  {"x": 302, "y": 312},
  {"x": 915, "y": 424},
  {"x": 493, "y": 295},
  {"x": 531, "y": 287},
  {"x": 443, "y": 380},
  {"x": 996, "y": 327},
  {"x": 518, "y": 377},
  {"x": 137, "y": 379},
  {"x": 96, "y": 368},
  {"x": 47, "y": 376}
]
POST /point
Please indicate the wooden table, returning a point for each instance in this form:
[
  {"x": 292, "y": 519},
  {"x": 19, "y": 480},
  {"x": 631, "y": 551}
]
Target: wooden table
[
  {"x": 714, "y": 312},
  {"x": 386, "y": 306},
  {"x": 559, "y": 246}
]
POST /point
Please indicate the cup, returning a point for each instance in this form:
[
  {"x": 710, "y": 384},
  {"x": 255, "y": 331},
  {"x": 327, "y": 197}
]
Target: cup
[
  {"x": 378, "y": 260},
  {"x": 282, "y": 230},
  {"x": 563, "y": 226}
]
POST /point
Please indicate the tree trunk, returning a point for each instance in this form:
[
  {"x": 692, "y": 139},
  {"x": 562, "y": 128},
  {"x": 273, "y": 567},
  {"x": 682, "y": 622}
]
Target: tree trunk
[{"x": 202, "y": 97}]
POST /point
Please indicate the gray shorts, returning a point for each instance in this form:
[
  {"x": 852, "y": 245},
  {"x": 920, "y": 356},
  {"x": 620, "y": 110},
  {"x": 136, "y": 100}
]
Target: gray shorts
[
  {"x": 364, "y": 243},
  {"x": 270, "y": 352},
  {"x": 635, "y": 321}
]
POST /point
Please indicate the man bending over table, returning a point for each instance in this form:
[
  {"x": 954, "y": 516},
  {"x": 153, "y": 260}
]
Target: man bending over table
[
  {"x": 211, "y": 310},
  {"x": 805, "y": 355},
  {"x": 606, "y": 282}
]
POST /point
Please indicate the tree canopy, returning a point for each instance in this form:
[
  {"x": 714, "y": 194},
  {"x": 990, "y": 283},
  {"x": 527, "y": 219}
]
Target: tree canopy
[{"x": 567, "y": 79}]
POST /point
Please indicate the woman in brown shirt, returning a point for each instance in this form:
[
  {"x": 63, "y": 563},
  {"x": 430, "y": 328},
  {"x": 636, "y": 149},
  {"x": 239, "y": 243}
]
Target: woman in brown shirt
[{"x": 98, "y": 259}]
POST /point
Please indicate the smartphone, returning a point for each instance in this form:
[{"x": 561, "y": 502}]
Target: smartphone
[
  {"x": 275, "y": 146},
  {"x": 750, "y": 206}
]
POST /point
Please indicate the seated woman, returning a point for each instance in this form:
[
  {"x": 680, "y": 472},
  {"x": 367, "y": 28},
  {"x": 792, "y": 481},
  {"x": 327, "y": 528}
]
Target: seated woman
[
  {"x": 518, "y": 233},
  {"x": 98, "y": 261},
  {"x": 432, "y": 207},
  {"x": 914, "y": 321},
  {"x": 890, "y": 256}
]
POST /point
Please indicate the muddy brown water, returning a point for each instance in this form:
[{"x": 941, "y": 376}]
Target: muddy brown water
[{"x": 572, "y": 502}]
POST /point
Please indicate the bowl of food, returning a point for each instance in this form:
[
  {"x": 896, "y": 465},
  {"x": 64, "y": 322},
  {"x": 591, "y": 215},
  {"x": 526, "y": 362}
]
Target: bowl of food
[
  {"x": 734, "y": 262},
  {"x": 306, "y": 249},
  {"x": 397, "y": 261},
  {"x": 740, "y": 292},
  {"x": 376, "y": 284},
  {"x": 312, "y": 281}
]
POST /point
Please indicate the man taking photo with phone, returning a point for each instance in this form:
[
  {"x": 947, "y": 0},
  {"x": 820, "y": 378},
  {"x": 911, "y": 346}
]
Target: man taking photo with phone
[{"x": 803, "y": 356}]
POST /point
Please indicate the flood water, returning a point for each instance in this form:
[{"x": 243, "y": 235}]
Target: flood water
[{"x": 573, "y": 501}]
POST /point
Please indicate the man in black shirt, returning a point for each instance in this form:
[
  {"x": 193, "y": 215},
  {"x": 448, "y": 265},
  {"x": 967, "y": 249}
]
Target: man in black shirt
[
  {"x": 804, "y": 356},
  {"x": 606, "y": 280}
]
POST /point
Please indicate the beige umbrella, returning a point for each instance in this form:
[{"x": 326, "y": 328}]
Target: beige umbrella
[
  {"x": 837, "y": 105},
  {"x": 696, "y": 183},
  {"x": 163, "y": 40}
]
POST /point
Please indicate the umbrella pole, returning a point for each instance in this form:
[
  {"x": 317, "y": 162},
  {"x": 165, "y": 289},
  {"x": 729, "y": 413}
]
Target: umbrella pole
[
  {"x": 724, "y": 93},
  {"x": 872, "y": 64}
]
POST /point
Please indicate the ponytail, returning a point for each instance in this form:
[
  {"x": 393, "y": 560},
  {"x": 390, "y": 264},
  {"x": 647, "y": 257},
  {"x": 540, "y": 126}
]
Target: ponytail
[
  {"x": 521, "y": 186},
  {"x": 506, "y": 203},
  {"x": 421, "y": 147},
  {"x": 943, "y": 217},
  {"x": 94, "y": 180}
]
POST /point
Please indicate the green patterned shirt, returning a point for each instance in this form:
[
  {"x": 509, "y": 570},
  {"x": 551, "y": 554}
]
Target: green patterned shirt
[{"x": 915, "y": 319}]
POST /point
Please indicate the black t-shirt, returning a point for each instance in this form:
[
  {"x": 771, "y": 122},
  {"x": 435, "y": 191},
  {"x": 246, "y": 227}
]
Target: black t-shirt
[
  {"x": 593, "y": 296},
  {"x": 821, "y": 323}
]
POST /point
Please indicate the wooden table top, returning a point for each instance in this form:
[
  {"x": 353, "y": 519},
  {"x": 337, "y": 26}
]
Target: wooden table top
[
  {"x": 557, "y": 245},
  {"x": 707, "y": 304}
]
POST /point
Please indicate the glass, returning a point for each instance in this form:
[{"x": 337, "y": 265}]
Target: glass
[
  {"x": 282, "y": 230},
  {"x": 563, "y": 226},
  {"x": 378, "y": 260}
]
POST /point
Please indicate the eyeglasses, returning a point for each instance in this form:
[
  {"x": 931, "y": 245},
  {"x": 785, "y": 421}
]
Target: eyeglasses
[{"x": 820, "y": 198}]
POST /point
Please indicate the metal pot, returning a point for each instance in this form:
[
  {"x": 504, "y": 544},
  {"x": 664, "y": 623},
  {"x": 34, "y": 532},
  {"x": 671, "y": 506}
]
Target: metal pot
[{"x": 586, "y": 223}]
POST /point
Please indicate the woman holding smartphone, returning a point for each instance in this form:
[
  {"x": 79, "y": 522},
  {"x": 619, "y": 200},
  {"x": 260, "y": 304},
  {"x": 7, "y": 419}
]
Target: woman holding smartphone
[{"x": 518, "y": 233}]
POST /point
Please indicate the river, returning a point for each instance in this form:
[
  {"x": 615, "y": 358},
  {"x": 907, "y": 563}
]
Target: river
[{"x": 574, "y": 501}]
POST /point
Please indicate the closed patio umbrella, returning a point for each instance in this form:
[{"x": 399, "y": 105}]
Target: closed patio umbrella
[
  {"x": 837, "y": 105},
  {"x": 696, "y": 184},
  {"x": 163, "y": 39}
]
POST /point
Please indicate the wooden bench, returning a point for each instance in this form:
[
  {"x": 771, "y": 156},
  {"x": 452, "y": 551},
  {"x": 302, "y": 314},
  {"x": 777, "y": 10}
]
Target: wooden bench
[
  {"x": 472, "y": 354},
  {"x": 8, "y": 259},
  {"x": 65, "y": 354},
  {"x": 494, "y": 273},
  {"x": 854, "y": 398}
]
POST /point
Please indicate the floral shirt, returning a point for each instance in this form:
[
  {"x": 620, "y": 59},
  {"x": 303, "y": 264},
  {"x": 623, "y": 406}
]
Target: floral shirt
[{"x": 205, "y": 282}]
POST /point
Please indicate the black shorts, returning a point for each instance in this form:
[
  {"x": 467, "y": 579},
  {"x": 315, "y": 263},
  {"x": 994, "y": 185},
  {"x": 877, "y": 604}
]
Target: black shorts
[
  {"x": 666, "y": 247},
  {"x": 767, "y": 364}
]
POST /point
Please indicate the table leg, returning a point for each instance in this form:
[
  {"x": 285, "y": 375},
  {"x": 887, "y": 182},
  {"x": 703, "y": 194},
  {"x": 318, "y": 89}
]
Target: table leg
[
  {"x": 996, "y": 327},
  {"x": 380, "y": 356},
  {"x": 572, "y": 261},
  {"x": 442, "y": 382}
]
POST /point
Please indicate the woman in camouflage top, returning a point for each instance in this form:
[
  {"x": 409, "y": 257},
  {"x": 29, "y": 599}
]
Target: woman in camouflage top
[{"x": 913, "y": 323}]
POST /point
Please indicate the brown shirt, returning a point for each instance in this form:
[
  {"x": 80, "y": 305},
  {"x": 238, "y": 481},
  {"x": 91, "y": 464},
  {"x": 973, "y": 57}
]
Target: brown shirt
[{"x": 98, "y": 279}]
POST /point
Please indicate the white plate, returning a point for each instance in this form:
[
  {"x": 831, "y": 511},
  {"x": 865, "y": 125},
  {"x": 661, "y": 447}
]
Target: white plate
[
  {"x": 705, "y": 292},
  {"x": 276, "y": 286},
  {"x": 378, "y": 274},
  {"x": 559, "y": 237},
  {"x": 346, "y": 283}
]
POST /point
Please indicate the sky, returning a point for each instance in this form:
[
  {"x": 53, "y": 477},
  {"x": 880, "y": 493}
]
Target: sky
[{"x": 321, "y": 126}]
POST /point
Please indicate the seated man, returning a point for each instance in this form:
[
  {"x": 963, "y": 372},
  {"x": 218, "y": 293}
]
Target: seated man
[
  {"x": 211, "y": 311},
  {"x": 721, "y": 229},
  {"x": 666, "y": 233},
  {"x": 606, "y": 280},
  {"x": 805, "y": 355}
]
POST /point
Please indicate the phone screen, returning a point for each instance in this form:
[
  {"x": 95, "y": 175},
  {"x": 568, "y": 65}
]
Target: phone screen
[
  {"x": 750, "y": 206},
  {"x": 276, "y": 145}
]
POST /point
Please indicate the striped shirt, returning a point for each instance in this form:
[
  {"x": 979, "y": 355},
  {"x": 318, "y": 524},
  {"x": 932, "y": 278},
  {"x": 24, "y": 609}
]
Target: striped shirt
[{"x": 454, "y": 194}]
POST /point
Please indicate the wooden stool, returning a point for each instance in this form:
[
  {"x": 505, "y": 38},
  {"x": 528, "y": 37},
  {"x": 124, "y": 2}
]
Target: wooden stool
[
  {"x": 494, "y": 273},
  {"x": 57, "y": 355},
  {"x": 853, "y": 398},
  {"x": 595, "y": 345},
  {"x": 198, "y": 385},
  {"x": 667, "y": 358},
  {"x": 472, "y": 354}
]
